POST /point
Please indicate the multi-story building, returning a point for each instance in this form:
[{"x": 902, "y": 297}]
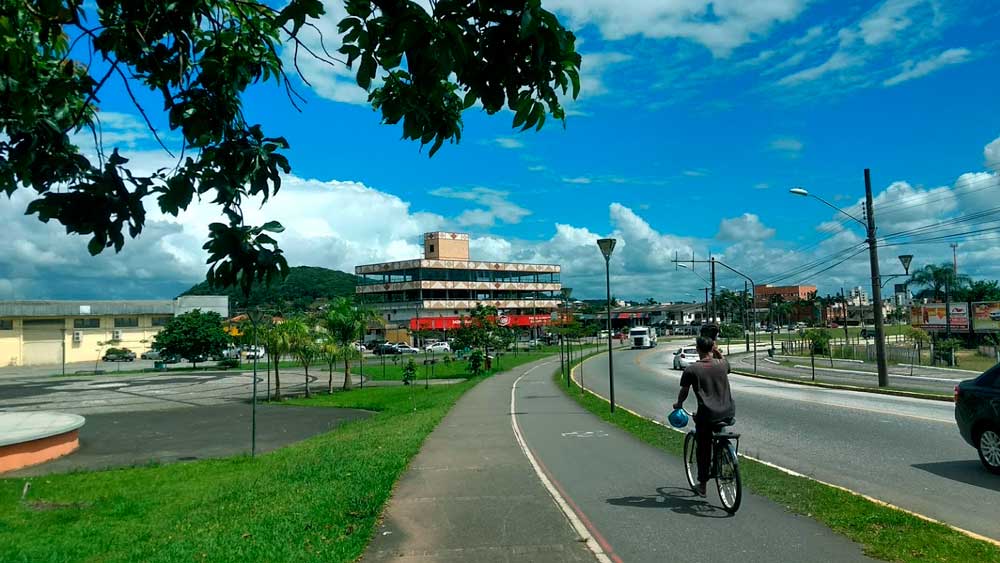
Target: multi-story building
[
  {"x": 53, "y": 332},
  {"x": 766, "y": 294},
  {"x": 437, "y": 291},
  {"x": 857, "y": 296}
]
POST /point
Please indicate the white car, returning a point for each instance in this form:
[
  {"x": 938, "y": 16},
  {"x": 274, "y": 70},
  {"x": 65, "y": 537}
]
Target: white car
[
  {"x": 995, "y": 315},
  {"x": 359, "y": 347},
  {"x": 440, "y": 347},
  {"x": 406, "y": 349},
  {"x": 684, "y": 357}
]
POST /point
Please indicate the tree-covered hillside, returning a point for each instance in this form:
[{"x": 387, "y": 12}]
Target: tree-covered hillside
[{"x": 305, "y": 287}]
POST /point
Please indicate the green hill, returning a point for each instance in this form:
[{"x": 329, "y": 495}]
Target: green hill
[{"x": 305, "y": 288}]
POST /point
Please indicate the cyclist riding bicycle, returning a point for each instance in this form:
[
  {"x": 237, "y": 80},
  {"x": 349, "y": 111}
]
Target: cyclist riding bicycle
[{"x": 709, "y": 377}]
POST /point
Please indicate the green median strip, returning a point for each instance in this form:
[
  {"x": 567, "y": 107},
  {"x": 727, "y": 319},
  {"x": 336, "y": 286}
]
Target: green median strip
[
  {"x": 876, "y": 390},
  {"x": 883, "y": 532},
  {"x": 319, "y": 499}
]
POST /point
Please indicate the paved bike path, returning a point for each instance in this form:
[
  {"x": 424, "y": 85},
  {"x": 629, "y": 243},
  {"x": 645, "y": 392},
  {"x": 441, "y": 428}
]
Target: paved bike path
[
  {"x": 470, "y": 494},
  {"x": 636, "y": 498}
]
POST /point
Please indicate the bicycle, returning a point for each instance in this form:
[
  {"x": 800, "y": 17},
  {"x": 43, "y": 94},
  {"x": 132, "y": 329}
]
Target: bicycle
[{"x": 725, "y": 466}]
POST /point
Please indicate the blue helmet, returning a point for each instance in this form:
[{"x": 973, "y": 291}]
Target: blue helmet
[{"x": 678, "y": 418}]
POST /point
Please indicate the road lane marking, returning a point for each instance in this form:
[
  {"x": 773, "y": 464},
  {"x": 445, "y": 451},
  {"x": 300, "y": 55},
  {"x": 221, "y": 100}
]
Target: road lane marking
[
  {"x": 593, "y": 540},
  {"x": 794, "y": 473}
]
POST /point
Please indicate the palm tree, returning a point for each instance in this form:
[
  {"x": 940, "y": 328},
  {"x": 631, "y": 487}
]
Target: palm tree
[
  {"x": 301, "y": 343},
  {"x": 275, "y": 342},
  {"x": 330, "y": 353},
  {"x": 937, "y": 277},
  {"x": 346, "y": 323}
]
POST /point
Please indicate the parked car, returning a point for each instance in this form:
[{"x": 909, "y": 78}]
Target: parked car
[
  {"x": 254, "y": 352},
  {"x": 385, "y": 349},
  {"x": 406, "y": 349},
  {"x": 977, "y": 411},
  {"x": 684, "y": 357},
  {"x": 995, "y": 315},
  {"x": 119, "y": 355},
  {"x": 359, "y": 347},
  {"x": 438, "y": 347},
  {"x": 150, "y": 355}
]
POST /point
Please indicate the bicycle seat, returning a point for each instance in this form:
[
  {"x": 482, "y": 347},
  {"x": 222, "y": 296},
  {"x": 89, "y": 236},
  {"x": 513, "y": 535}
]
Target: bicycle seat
[{"x": 719, "y": 425}]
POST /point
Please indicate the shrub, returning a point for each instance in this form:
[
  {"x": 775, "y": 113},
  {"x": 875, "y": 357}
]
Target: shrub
[
  {"x": 819, "y": 340},
  {"x": 476, "y": 362},
  {"x": 229, "y": 363},
  {"x": 409, "y": 372}
]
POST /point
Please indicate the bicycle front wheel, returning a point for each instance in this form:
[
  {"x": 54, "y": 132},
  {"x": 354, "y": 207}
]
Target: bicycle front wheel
[
  {"x": 728, "y": 478},
  {"x": 691, "y": 460}
]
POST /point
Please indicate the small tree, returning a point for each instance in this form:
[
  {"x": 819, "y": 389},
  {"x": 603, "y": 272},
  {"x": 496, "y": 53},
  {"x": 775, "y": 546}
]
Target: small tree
[
  {"x": 409, "y": 372},
  {"x": 346, "y": 323},
  {"x": 476, "y": 362},
  {"x": 302, "y": 344},
  {"x": 192, "y": 335},
  {"x": 330, "y": 353},
  {"x": 819, "y": 340}
]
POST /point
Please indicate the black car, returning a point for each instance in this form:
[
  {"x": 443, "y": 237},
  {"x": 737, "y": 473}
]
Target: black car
[
  {"x": 977, "y": 411},
  {"x": 385, "y": 349},
  {"x": 118, "y": 355}
]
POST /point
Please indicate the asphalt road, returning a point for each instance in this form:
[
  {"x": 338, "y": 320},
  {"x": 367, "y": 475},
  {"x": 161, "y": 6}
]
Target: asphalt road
[
  {"x": 901, "y": 450},
  {"x": 123, "y": 439},
  {"x": 634, "y": 498}
]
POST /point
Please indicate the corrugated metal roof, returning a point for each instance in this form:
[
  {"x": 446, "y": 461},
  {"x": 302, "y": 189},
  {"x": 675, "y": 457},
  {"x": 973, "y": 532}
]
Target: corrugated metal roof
[{"x": 98, "y": 308}]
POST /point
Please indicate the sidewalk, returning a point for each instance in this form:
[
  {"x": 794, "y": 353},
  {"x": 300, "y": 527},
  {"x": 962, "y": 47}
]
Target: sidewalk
[{"x": 472, "y": 495}]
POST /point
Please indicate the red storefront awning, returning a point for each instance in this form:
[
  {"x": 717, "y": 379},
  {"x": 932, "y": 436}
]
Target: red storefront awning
[{"x": 451, "y": 323}]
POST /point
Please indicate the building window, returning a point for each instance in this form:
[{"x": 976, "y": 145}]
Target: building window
[
  {"x": 431, "y": 248},
  {"x": 161, "y": 321},
  {"x": 6, "y": 324},
  {"x": 86, "y": 323},
  {"x": 126, "y": 322}
]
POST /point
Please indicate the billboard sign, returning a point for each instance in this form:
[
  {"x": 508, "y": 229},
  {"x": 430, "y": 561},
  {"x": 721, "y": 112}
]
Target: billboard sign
[
  {"x": 933, "y": 316},
  {"x": 986, "y": 316}
]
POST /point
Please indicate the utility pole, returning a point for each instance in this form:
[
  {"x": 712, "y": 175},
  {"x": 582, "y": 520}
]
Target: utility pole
[
  {"x": 847, "y": 335},
  {"x": 704, "y": 319},
  {"x": 883, "y": 371},
  {"x": 711, "y": 261},
  {"x": 746, "y": 327},
  {"x": 954, "y": 257}
]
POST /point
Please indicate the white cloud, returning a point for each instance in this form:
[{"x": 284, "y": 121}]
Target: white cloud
[
  {"x": 761, "y": 186},
  {"x": 509, "y": 142},
  {"x": 537, "y": 168},
  {"x": 577, "y": 180},
  {"x": 922, "y": 68},
  {"x": 494, "y": 206},
  {"x": 719, "y": 25},
  {"x": 992, "y": 154},
  {"x": 745, "y": 227},
  {"x": 864, "y": 51},
  {"x": 790, "y": 146},
  {"x": 697, "y": 173}
]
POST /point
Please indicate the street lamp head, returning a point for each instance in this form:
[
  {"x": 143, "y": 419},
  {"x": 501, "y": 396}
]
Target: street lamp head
[
  {"x": 682, "y": 265},
  {"x": 607, "y": 246},
  {"x": 905, "y": 259},
  {"x": 799, "y": 191}
]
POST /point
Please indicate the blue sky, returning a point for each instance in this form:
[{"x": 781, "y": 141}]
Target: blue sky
[{"x": 694, "y": 120}]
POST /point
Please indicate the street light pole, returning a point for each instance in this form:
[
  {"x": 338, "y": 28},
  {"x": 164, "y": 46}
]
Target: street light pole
[
  {"x": 870, "y": 231},
  {"x": 607, "y": 246}
]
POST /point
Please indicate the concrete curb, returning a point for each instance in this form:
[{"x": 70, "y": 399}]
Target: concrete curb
[{"x": 794, "y": 473}]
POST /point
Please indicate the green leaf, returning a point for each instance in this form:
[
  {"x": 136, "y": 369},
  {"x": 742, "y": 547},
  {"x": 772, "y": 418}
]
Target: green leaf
[
  {"x": 273, "y": 227},
  {"x": 470, "y": 100},
  {"x": 366, "y": 71}
]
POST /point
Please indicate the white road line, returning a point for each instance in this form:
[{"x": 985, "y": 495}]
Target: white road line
[{"x": 574, "y": 520}]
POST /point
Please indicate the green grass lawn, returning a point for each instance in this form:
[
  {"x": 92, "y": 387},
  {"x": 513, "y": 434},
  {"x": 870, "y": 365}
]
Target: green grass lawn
[
  {"x": 884, "y": 533},
  {"x": 317, "y": 500}
]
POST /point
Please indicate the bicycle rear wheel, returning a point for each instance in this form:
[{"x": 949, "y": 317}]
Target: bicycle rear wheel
[
  {"x": 691, "y": 460},
  {"x": 728, "y": 478}
]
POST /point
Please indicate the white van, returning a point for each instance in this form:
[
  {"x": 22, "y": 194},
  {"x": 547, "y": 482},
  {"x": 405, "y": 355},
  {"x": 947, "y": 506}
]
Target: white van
[{"x": 642, "y": 337}]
